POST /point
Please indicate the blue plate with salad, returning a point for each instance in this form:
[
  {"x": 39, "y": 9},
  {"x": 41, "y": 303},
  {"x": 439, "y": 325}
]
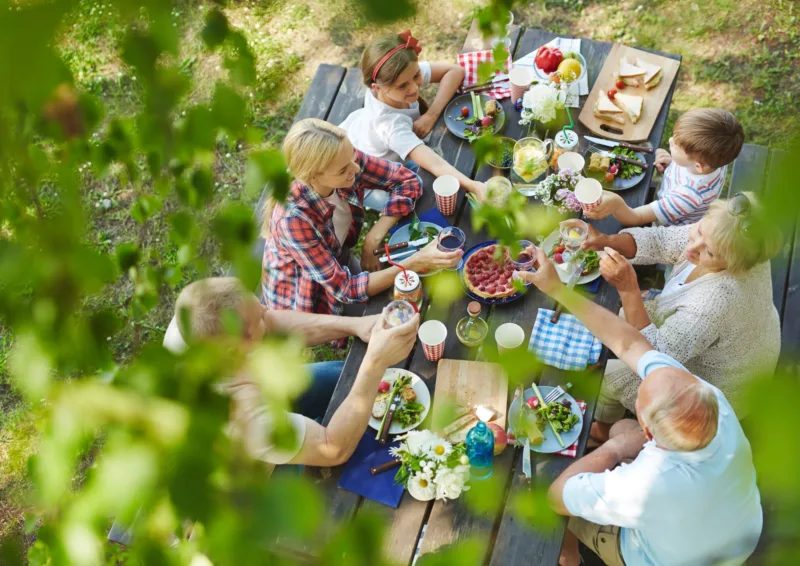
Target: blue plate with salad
[
  {"x": 615, "y": 175},
  {"x": 472, "y": 115},
  {"x": 414, "y": 231}
]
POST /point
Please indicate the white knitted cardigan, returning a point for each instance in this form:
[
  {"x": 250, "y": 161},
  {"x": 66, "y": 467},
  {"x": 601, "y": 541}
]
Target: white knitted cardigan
[{"x": 724, "y": 329}]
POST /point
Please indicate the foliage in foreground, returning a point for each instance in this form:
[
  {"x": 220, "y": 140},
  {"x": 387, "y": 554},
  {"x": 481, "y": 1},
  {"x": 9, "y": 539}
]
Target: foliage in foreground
[{"x": 151, "y": 431}]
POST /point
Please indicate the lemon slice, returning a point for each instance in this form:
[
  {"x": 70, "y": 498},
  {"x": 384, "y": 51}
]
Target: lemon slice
[{"x": 574, "y": 234}]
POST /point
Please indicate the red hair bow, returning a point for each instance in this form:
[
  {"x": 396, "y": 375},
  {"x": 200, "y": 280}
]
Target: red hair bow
[{"x": 411, "y": 42}]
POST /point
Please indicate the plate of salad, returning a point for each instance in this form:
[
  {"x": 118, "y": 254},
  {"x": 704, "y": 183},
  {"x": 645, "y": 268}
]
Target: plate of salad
[
  {"x": 542, "y": 426},
  {"x": 415, "y": 401},
  {"x": 414, "y": 231},
  {"x": 615, "y": 175},
  {"x": 472, "y": 115},
  {"x": 554, "y": 247}
]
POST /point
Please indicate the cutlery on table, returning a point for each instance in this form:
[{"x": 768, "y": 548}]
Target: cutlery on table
[
  {"x": 402, "y": 245},
  {"x": 386, "y": 466},
  {"x": 622, "y": 144},
  {"x": 401, "y": 255},
  {"x": 570, "y": 285},
  {"x": 388, "y": 422},
  {"x": 616, "y": 157}
]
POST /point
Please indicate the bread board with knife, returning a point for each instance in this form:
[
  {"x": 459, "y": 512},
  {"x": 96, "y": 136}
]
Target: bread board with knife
[
  {"x": 478, "y": 390},
  {"x": 639, "y": 83}
]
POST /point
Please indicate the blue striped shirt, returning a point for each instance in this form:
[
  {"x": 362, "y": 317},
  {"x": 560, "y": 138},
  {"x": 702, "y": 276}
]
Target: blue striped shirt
[{"x": 683, "y": 197}]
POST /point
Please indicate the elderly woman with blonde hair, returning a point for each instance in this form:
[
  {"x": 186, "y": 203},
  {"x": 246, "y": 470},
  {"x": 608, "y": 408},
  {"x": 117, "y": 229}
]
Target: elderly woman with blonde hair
[{"x": 715, "y": 314}]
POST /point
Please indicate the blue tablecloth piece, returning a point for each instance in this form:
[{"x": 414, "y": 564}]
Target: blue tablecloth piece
[
  {"x": 357, "y": 478},
  {"x": 567, "y": 344},
  {"x": 433, "y": 215}
]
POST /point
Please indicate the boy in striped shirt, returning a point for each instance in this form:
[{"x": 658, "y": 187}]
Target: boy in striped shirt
[{"x": 703, "y": 143}]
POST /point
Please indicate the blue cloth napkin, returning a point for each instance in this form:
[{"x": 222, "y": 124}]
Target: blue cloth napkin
[
  {"x": 357, "y": 478},
  {"x": 568, "y": 344},
  {"x": 592, "y": 286},
  {"x": 433, "y": 215}
]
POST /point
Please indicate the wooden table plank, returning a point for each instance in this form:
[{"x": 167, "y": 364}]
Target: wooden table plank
[
  {"x": 777, "y": 179},
  {"x": 790, "y": 331},
  {"x": 322, "y": 92},
  {"x": 517, "y": 542},
  {"x": 349, "y": 98},
  {"x": 749, "y": 169}
]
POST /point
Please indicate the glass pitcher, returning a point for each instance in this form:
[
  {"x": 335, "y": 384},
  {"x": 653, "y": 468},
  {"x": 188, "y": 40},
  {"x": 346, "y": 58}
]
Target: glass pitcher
[{"x": 531, "y": 158}]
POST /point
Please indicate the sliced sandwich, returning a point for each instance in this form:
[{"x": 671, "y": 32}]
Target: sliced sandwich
[
  {"x": 607, "y": 110},
  {"x": 652, "y": 73},
  {"x": 631, "y": 104},
  {"x": 629, "y": 73}
]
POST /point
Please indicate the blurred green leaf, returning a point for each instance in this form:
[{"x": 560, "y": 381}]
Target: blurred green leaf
[
  {"x": 228, "y": 108},
  {"x": 266, "y": 168},
  {"x": 128, "y": 255},
  {"x": 216, "y": 28}
]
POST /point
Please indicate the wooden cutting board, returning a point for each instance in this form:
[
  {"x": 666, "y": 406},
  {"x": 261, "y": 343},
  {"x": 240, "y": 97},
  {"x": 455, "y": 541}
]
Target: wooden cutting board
[
  {"x": 471, "y": 383},
  {"x": 653, "y": 99}
]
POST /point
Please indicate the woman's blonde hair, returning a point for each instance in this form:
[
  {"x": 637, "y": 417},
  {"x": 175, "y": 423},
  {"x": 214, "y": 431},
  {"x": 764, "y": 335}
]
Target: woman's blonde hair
[
  {"x": 309, "y": 148},
  {"x": 393, "y": 66},
  {"x": 745, "y": 240}
]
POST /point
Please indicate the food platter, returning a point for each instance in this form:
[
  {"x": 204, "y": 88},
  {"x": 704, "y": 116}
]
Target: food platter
[
  {"x": 550, "y": 444},
  {"x": 548, "y": 244},
  {"x": 473, "y": 296},
  {"x": 618, "y": 184},
  {"x": 423, "y": 398}
]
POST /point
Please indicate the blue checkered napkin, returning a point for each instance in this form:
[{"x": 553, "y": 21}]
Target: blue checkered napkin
[{"x": 566, "y": 344}]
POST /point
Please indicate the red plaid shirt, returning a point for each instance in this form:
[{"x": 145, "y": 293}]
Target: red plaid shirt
[{"x": 301, "y": 267}]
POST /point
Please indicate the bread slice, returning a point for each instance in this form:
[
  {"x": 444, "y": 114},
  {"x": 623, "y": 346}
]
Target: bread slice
[
  {"x": 630, "y": 74},
  {"x": 653, "y": 73},
  {"x": 607, "y": 110},
  {"x": 631, "y": 104}
]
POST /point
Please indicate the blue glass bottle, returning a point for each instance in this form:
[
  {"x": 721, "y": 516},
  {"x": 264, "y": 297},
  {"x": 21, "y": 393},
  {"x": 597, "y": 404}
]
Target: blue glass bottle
[{"x": 480, "y": 450}]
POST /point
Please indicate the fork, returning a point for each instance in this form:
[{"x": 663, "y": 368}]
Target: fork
[
  {"x": 594, "y": 149},
  {"x": 556, "y": 393}
]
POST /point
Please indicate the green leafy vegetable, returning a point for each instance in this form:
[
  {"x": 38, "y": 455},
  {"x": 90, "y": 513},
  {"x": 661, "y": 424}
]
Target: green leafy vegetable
[{"x": 626, "y": 170}]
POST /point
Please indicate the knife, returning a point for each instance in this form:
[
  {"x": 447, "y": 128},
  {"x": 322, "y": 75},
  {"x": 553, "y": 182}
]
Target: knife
[
  {"x": 385, "y": 466},
  {"x": 388, "y": 423},
  {"x": 402, "y": 245},
  {"x": 622, "y": 158},
  {"x": 570, "y": 285},
  {"x": 625, "y": 145},
  {"x": 401, "y": 255}
]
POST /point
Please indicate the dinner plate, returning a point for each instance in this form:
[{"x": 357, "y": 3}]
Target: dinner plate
[
  {"x": 423, "y": 397},
  {"x": 403, "y": 234},
  {"x": 473, "y": 296},
  {"x": 550, "y": 444},
  {"x": 453, "y": 111},
  {"x": 618, "y": 184},
  {"x": 548, "y": 244}
]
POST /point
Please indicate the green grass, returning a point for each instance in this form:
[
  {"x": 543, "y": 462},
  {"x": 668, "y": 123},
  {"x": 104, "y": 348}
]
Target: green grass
[{"x": 741, "y": 55}]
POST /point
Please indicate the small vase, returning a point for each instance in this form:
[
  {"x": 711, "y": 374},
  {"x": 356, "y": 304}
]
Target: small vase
[
  {"x": 551, "y": 127},
  {"x": 419, "y": 494}
]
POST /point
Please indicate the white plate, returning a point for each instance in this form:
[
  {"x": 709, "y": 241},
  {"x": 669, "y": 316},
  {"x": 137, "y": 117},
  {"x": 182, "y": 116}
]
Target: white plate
[
  {"x": 550, "y": 444},
  {"x": 423, "y": 397},
  {"x": 548, "y": 244}
]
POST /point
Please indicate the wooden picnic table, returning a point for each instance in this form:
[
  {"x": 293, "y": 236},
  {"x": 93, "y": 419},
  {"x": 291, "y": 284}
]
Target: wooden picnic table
[{"x": 334, "y": 93}]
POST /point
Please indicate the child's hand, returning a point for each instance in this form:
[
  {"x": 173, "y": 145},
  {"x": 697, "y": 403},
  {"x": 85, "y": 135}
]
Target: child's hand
[
  {"x": 610, "y": 203},
  {"x": 424, "y": 124},
  {"x": 663, "y": 159}
]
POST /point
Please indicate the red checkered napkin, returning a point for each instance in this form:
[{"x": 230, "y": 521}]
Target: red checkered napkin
[
  {"x": 470, "y": 62},
  {"x": 572, "y": 451}
]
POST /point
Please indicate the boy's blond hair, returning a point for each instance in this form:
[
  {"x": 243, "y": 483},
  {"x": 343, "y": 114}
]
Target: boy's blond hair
[
  {"x": 204, "y": 303},
  {"x": 741, "y": 245},
  {"x": 711, "y": 136}
]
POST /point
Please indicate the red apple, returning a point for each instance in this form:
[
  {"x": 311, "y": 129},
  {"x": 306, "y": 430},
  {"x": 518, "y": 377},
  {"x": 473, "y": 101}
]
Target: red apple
[{"x": 500, "y": 438}]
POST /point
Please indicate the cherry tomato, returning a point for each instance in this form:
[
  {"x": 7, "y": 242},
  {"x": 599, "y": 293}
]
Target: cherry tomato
[
  {"x": 620, "y": 84},
  {"x": 558, "y": 258},
  {"x": 465, "y": 111},
  {"x": 612, "y": 92},
  {"x": 609, "y": 176},
  {"x": 559, "y": 249}
]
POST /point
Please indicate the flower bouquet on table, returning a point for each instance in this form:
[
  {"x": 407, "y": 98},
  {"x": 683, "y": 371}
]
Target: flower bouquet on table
[
  {"x": 544, "y": 107},
  {"x": 558, "y": 190},
  {"x": 430, "y": 466}
]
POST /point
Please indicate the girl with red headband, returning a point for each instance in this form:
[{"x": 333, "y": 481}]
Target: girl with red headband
[{"x": 395, "y": 119}]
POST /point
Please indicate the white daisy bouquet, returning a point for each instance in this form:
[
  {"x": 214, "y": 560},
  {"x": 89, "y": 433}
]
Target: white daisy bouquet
[
  {"x": 557, "y": 190},
  {"x": 430, "y": 466}
]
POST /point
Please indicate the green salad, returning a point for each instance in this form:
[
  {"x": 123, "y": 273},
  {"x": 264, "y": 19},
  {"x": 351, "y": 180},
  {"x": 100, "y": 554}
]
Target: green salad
[{"x": 626, "y": 170}]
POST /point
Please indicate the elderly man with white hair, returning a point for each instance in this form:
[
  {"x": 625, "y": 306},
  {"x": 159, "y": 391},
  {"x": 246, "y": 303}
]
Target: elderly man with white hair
[{"x": 688, "y": 496}]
